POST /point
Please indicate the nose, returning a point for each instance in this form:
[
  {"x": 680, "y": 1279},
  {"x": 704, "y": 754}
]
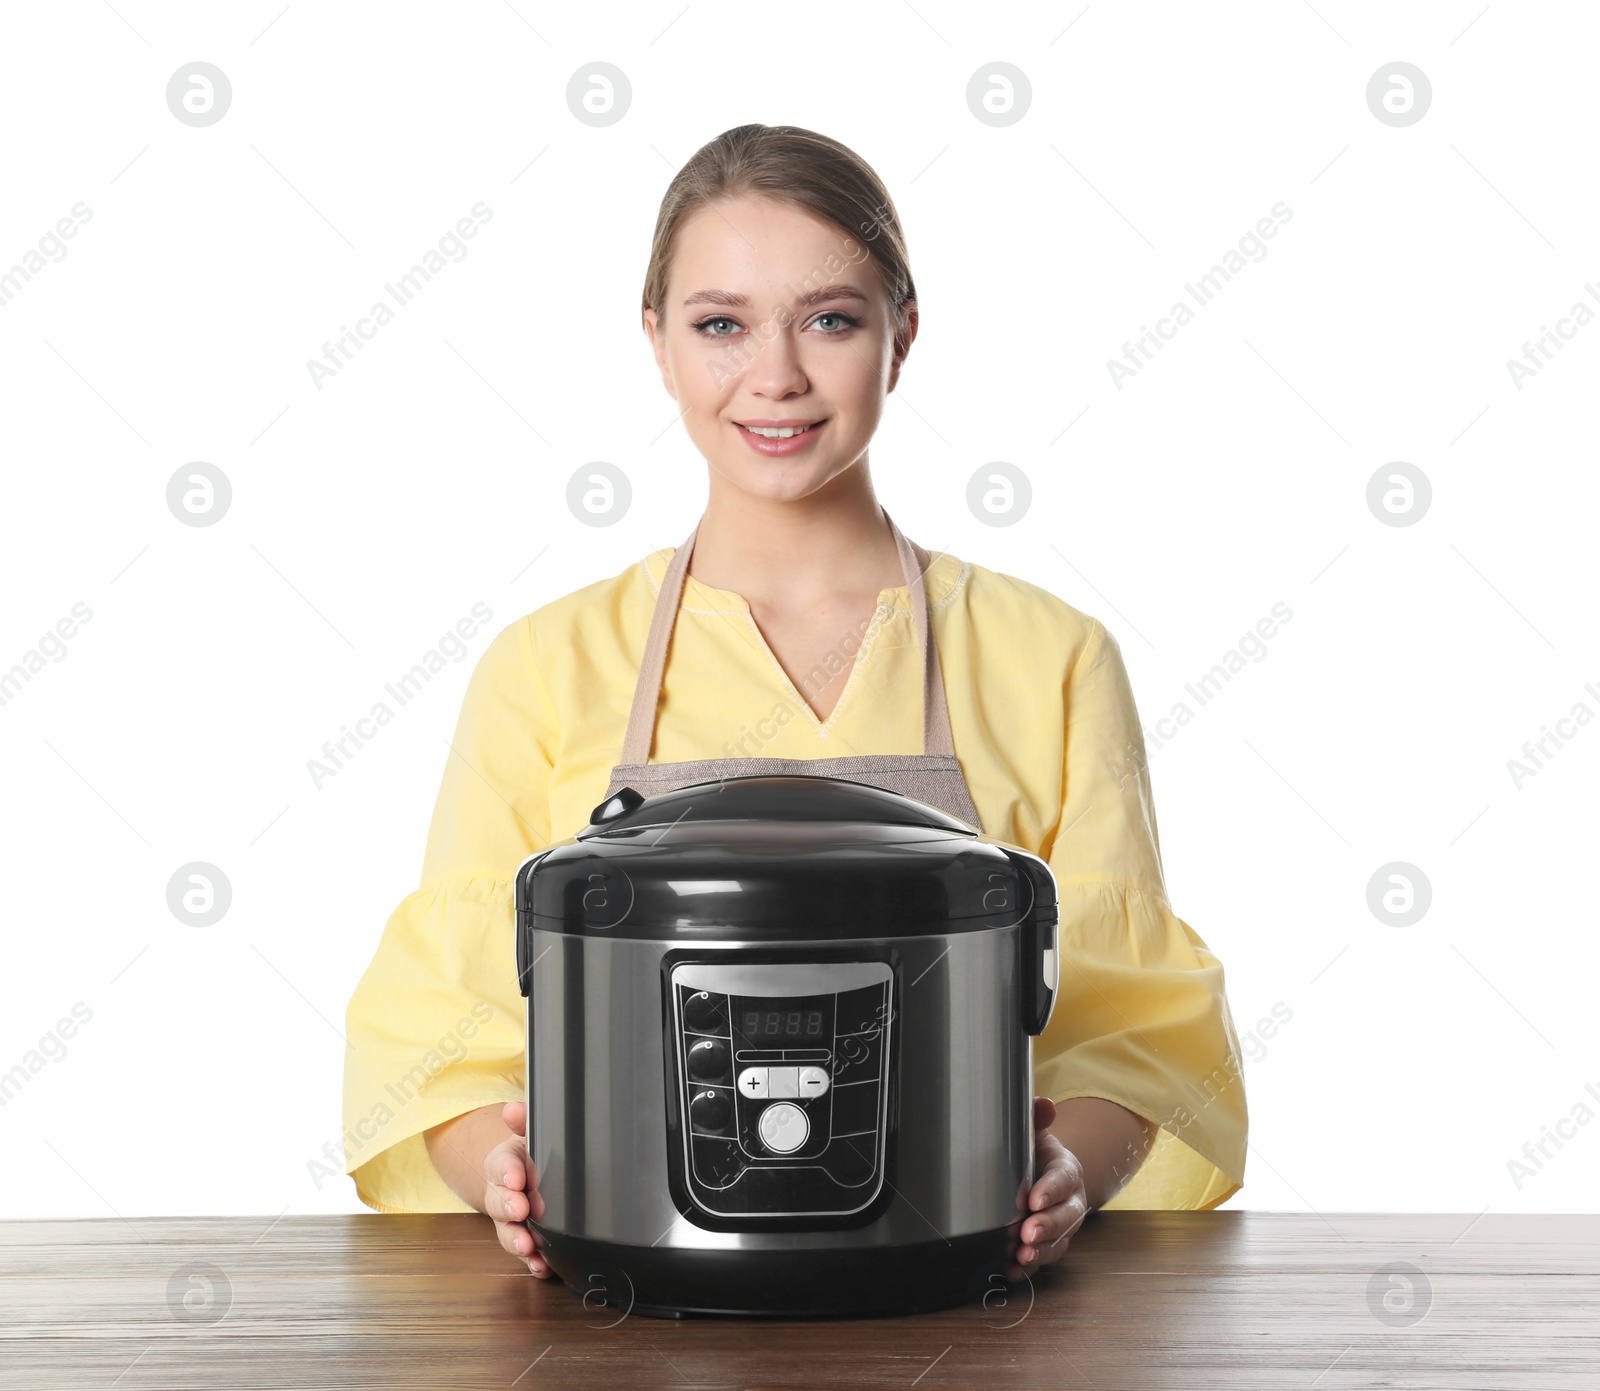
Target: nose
[{"x": 775, "y": 370}]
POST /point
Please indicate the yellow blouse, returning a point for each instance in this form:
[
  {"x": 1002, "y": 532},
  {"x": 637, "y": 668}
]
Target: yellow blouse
[{"x": 1050, "y": 743}]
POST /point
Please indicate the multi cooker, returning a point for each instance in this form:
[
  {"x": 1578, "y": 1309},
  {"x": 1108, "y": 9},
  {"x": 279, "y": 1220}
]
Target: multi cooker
[{"x": 780, "y": 1044}]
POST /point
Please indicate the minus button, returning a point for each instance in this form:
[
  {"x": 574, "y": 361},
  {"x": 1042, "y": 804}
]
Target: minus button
[{"x": 813, "y": 1081}]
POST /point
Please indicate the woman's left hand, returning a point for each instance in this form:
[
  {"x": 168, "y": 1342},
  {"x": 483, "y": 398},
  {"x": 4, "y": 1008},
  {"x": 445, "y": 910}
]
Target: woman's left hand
[{"x": 1056, "y": 1204}]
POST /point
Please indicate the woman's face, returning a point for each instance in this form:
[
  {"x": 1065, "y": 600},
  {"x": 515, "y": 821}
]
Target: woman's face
[{"x": 774, "y": 316}]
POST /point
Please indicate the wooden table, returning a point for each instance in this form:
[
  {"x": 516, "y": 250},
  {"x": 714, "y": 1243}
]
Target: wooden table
[{"x": 1142, "y": 1300}]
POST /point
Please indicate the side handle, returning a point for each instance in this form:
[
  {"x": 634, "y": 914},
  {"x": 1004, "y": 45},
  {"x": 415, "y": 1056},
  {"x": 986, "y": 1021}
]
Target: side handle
[
  {"x": 1038, "y": 944},
  {"x": 522, "y": 913}
]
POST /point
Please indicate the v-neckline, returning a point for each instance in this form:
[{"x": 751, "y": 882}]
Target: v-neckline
[
  {"x": 728, "y": 599},
  {"x": 863, "y": 651}
]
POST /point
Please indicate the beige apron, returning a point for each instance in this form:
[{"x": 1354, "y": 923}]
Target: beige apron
[{"x": 933, "y": 776}]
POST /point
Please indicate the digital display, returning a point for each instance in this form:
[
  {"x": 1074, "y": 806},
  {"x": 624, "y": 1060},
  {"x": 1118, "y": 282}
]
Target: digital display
[
  {"x": 796, "y": 1019},
  {"x": 787, "y": 1024}
]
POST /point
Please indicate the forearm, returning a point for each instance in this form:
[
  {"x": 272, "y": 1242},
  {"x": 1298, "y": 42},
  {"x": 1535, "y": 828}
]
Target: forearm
[
  {"x": 1110, "y": 1141},
  {"x": 458, "y": 1148}
]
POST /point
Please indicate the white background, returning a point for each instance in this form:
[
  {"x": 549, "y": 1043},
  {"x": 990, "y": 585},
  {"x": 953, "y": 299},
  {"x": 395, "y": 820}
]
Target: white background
[{"x": 430, "y": 474}]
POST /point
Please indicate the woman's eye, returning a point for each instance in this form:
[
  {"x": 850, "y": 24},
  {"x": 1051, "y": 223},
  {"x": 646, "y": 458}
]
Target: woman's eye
[{"x": 705, "y": 327}]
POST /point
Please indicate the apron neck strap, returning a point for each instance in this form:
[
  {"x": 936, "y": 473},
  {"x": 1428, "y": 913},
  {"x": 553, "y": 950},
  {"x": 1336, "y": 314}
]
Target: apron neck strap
[{"x": 936, "y": 734}]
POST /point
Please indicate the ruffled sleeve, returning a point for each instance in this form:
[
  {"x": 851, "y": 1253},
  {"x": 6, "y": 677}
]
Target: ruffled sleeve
[
  {"x": 436, "y": 1024},
  {"x": 1142, "y": 1014}
]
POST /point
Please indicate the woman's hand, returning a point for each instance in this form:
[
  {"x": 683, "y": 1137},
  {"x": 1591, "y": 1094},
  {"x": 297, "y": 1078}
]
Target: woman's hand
[
  {"x": 513, "y": 1191},
  {"x": 1057, "y": 1203}
]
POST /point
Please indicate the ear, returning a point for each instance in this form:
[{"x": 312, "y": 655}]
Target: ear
[
  {"x": 658, "y": 341},
  {"x": 902, "y": 343}
]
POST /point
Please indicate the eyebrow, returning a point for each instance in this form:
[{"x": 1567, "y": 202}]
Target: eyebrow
[{"x": 736, "y": 301}]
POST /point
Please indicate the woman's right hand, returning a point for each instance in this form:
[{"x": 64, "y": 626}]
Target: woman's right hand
[{"x": 513, "y": 1191}]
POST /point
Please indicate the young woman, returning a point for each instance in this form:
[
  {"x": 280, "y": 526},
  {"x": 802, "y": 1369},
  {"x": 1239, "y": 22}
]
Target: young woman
[{"x": 781, "y": 309}]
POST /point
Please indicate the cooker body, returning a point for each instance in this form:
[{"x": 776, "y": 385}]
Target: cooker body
[{"x": 817, "y": 1128}]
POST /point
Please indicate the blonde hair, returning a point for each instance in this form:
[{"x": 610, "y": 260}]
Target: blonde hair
[{"x": 789, "y": 165}]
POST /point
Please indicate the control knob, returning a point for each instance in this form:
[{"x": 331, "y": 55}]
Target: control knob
[
  {"x": 708, "y": 1060},
  {"x": 706, "y": 1013},
  {"x": 710, "y": 1111}
]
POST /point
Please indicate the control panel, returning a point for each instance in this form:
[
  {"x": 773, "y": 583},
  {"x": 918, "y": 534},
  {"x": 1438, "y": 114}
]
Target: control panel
[{"x": 783, "y": 1073}]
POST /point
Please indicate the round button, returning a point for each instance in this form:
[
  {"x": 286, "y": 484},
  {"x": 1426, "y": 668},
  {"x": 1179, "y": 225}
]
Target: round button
[
  {"x": 706, "y": 1013},
  {"x": 784, "y": 1128},
  {"x": 710, "y": 1111},
  {"x": 708, "y": 1060}
]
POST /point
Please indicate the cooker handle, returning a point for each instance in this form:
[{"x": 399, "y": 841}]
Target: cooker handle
[
  {"x": 1039, "y": 947},
  {"x": 519, "y": 908}
]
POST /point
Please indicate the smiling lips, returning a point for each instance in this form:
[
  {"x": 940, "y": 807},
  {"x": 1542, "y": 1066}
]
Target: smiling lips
[
  {"x": 779, "y": 437},
  {"x": 776, "y": 429}
]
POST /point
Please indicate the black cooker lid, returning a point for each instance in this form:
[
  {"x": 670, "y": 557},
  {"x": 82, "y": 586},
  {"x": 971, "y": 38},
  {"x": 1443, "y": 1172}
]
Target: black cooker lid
[
  {"x": 768, "y": 798},
  {"x": 762, "y": 857}
]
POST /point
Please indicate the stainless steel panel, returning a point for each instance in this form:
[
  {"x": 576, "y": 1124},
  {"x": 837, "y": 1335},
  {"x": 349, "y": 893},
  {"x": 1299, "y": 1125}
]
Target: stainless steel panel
[{"x": 597, "y": 1084}]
